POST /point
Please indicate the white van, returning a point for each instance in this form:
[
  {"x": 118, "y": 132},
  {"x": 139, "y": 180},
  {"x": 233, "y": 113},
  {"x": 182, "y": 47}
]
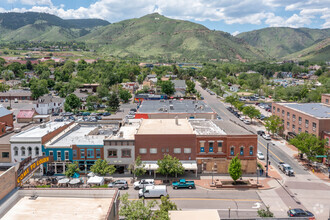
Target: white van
[
  {"x": 143, "y": 183},
  {"x": 153, "y": 191},
  {"x": 16, "y": 100}
]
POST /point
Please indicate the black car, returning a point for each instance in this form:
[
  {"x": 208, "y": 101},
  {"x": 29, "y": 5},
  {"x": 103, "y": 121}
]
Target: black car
[
  {"x": 300, "y": 213},
  {"x": 58, "y": 119},
  {"x": 260, "y": 133},
  {"x": 55, "y": 114}
]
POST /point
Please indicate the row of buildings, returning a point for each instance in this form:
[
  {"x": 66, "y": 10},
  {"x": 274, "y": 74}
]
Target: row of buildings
[{"x": 202, "y": 145}]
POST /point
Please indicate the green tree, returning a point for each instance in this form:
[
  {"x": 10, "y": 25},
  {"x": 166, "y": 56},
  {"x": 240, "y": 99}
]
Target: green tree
[
  {"x": 273, "y": 124},
  {"x": 165, "y": 206},
  {"x": 235, "y": 169},
  {"x": 169, "y": 166},
  {"x": 38, "y": 88},
  {"x": 136, "y": 210},
  {"x": 203, "y": 84},
  {"x": 231, "y": 100},
  {"x": 125, "y": 95},
  {"x": 251, "y": 112},
  {"x": 3, "y": 87},
  {"x": 167, "y": 87},
  {"x": 102, "y": 90},
  {"x": 137, "y": 168},
  {"x": 113, "y": 101},
  {"x": 8, "y": 75},
  {"x": 190, "y": 87},
  {"x": 103, "y": 168},
  {"x": 72, "y": 102},
  {"x": 29, "y": 65},
  {"x": 71, "y": 169},
  {"x": 309, "y": 145},
  {"x": 239, "y": 105},
  {"x": 264, "y": 213}
]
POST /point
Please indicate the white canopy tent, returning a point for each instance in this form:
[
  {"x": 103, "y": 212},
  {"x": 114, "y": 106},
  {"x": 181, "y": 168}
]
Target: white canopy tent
[
  {"x": 63, "y": 181},
  {"x": 96, "y": 180},
  {"x": 188, "y": 165}
]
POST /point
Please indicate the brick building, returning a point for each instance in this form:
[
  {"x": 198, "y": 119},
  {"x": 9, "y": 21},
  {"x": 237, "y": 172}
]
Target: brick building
[
  {"x": 16, "y": 94},
  {"x": 313, "y": 118},
  {"x": 6, "y": 120},
  {"x": 26, "y": 116},
  {"x": 325, "y": 98}
]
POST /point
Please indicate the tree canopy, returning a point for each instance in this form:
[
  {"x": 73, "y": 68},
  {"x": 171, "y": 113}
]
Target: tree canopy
[
  {"x": 71, "y": 169},
  {"x": 103, "y": 168},
  {"x": 169, "y": 166},
  {"x": 72, "y": 102},
  {"x": 235, "y": 168},
  {"x": 273, "y": 124},
  {"x": 251, "y": 112},
  {"x": 137, "y": 168},
  {"x": 167, "y": 87}
]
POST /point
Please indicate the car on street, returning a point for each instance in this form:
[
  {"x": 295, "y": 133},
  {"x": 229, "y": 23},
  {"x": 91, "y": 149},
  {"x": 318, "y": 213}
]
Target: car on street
[
  {"x": 301, "y": 213},
  {"x": 246, "y": 121},
  {"x": 58, "y": 120},
  {"x": 260, "y": 155},
  {"x": 266, "y": 137},
  {"x": 106, "y": 113},
  {"x": 120, "y": 184},
  {"x": 286, "y": 169},
  {"x": 260, "y": 133},
  {"x": 157, "y": 191},
  {"x": 55, "y": 114},
  {"x": 242, "y": 118},
  {"x": 143, "y": 183},
  {"x": 86, "y": 114},
  {"x": 6, "y": 100},
  {"x": 16, "y": 100},
  {"x": 183, "y": 184}
]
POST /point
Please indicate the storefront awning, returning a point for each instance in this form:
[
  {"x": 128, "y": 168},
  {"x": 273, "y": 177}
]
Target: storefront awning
[{"x": 188, "y": 165}]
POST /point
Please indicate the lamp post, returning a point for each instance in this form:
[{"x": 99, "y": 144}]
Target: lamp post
[
  {"x": 213, "y": 168},
  {"x": 257, "y": 175},
  {"x": 267, "y": 163}
]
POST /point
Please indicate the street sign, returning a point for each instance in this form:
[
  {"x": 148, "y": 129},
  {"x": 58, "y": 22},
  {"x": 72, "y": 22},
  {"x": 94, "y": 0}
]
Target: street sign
[{"x": 321, "y": 156}]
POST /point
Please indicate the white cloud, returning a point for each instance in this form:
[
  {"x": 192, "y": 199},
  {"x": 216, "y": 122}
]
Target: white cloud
[
  {"x": 230, "y": 11},
  {"x": 235, "y": 33}
]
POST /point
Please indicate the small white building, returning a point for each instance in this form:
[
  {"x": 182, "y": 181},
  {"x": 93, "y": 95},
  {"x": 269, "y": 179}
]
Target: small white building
[
  {"x": 234, "y": 88},
  {"x": 119, "y": 150},
  {"x": 48, "y": 104}
]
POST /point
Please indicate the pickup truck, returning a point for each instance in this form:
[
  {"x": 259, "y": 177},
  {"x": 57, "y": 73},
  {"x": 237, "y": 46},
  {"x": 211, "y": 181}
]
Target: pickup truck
[{"x": 183, "y": 184}]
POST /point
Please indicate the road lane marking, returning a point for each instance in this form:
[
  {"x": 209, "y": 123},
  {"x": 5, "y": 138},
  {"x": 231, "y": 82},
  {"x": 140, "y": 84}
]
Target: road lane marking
[
  {"x": 210, "y": 199},
  {"x": 270, "y": 151}
]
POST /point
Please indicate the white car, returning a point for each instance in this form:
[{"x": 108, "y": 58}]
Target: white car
[
  {"x": 248, "y": 122},
  {"x": 143, "y": 183},
  {"x": 242, "y": 118},
  {"x": 260, "y": 156},
  {"x": 266, "y": 137}
]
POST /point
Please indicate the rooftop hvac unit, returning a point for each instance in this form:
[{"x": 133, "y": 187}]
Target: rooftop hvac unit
[{"x": 171, "y": 107}]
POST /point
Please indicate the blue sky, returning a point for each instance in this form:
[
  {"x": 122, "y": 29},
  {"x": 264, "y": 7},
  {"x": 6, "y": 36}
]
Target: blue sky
[{"x": 233, "y": 16}]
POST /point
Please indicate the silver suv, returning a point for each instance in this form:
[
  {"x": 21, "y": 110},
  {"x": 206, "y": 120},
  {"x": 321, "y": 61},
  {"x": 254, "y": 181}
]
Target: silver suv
[{"x": 121, "y": 184}]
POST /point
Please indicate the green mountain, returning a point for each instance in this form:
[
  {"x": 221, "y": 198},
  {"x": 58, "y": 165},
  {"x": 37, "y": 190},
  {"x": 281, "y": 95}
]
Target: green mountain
[
  {"x": 156, "y": 36},
  {"x": 32, "y": 26},
  {"x": 317, "y": 52},
  {"x": 279, "y": 42}
]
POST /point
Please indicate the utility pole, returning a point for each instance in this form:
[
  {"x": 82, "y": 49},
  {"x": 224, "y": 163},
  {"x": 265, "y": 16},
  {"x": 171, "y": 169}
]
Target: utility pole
[{"x": 267, "y": 159}]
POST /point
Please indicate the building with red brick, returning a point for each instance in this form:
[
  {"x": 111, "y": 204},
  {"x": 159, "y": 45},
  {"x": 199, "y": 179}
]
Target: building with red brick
[
  {"x": 26, "y": 116},
  {"x": 6, "y": 120},
  {"x": 325, "y": 98},
  {"x": 313, "y": 118}
]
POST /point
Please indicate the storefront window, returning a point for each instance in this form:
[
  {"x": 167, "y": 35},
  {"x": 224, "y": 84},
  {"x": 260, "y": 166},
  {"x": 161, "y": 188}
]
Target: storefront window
[
  {"x": 82, "y": 153},
  {"x": 90, "y": 153}
]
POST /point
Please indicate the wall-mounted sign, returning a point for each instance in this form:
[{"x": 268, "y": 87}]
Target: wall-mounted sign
[{"x": 28, "y": 166}]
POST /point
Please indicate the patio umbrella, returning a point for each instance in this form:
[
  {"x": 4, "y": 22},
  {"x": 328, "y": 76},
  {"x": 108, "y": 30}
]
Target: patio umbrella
[
  {"x": 91, "y": 174},
  {"x": 74, "y": 181},
  {"x": 65, "y": 180}
]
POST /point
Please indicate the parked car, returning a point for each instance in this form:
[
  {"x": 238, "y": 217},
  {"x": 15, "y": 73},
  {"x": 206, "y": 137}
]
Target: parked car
[
  {"x": 55, "y": 114},
  {"x": 218, "y": 117},
  {"x": 286, "y": 169},
  {"x": 1, "y": 100},
  {"x": 260, "y": 133},
  {"x": 93, "y": 114},
  {"x": 300, "y": 213},
  {"x": 121, "y": 184},
  {"x": 153, "y": 191},
  {"x": 58, "y": 119},
  {"x": 266, "y": 137},
  {"x": 98, "y": 117},
  {"x": 246, "y": 121},
  {"x": 260, "y": 155},
  {"x": 6, "y": 100},
  {"x": 16, "y": 100},
  {"x": 242, "y": 118},
  {"x": 143, "y": 183},
  {"x": 106, "y": 113},
  {"x": 133, "y": 110},
  {"x": 86, "y": 114},
  {"x": 183, "y": 184}
]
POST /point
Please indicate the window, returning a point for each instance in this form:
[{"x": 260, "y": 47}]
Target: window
[
  {"x": 98, "y": 153},
  {"x": 82, "y": 153},
  {"x": 293, "y": 127},
  {"x": 143, "y": 150},
  {"x": 126, "y": 153},
  {"x": 293, "y": 117},
  {"x": 219, "y": 146},
  {"x": 201, "y": 144},
  {"x": 51, "y": 153},
  {"x": 306, "y": 132},
  {"x": 299, "y": 119},
  {"x": 288, "y": 125},
  {"x": 112, "y": 153},
  {"x": 36, "y": 149},
  {"x": 5, "y": 154},
  {"x": 66, "y": 155},
  {"x": 241, "y": 151},
  {"x": 163, "y": 150},
  {"x": 74, "y": 153},
  {"x": 232, "y": 151},
  {"x": 327, "y": 141},
  {"x": 299, "y": 129},
  {"x": 23, "y": 151},
  {"x": 251, "y": 150},
  {"x": 210, "y": 146},
  {"x": 15, "y": 151},
  {"x": 278, "y": 109},
  {"x": 283, "y": 113},
  {"x": 58, "y": 155},
  {"x": 306, "y": 123},
  {"x": 177, "y": 150},
  {"x": 90, "y": 153},
  {"x": 29, "y": 151},
  {"x": 288, "y": 115},
  {"x": 327, "y": 101},
  {"x": 187, "y": 150},
  {"x": 314, "y": 126},
  {"x": 274, "y": 108},
  {"x": 153, "y": 150}
]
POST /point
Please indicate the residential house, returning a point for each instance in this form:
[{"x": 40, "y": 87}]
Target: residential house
[
  {"x": 180, "y": 88},
  {"x": 234, "y": 88},
  {"x": 48, "y": 104}
]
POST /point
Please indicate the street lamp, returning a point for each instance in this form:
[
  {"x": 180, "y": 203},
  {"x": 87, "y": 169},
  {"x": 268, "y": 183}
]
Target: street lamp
[
  {"x": 213, "y": 168},
  {"x": 267, "y": 163},
  {"x": 257, "y": 175}
]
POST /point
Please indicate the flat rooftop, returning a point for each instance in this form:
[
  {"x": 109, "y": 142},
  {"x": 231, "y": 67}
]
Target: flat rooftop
[
  {"x": 78, "y": 134},
  {"x": 194, "y": 215},
  {"x": 205, "y": 127},
  {"x": 39, "y": 131},
  {"x": 128, "y": 130},
  {"x": 165, "y": 126},
  {"x": 231, "y": 128},
  {"x": 318, "y": 110},
  {"x": 174, "y": 106}
]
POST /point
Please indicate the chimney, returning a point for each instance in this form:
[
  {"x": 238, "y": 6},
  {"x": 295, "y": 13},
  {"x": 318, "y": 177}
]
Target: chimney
[
  {"x": 176, "y": 120},
  {"x": 171, "y": 107}
]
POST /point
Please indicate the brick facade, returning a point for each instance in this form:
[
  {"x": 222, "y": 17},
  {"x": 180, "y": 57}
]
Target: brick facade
[
  {"x": 8, "y": 182},
  {"x": 6, "y": 120},
  {"x": 50, "y": 135},
  {"x": 325, "y": 98}
]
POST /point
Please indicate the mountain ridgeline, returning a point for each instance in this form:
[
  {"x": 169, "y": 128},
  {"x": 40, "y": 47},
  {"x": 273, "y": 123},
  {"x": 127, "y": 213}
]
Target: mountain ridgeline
[{"x": 157, "y": 37}]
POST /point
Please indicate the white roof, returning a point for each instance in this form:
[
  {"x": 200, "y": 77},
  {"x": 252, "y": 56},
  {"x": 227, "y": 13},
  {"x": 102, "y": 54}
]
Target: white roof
[
  {"x": 95, "y": 180},
  {"x": 188, "y": 165}
]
